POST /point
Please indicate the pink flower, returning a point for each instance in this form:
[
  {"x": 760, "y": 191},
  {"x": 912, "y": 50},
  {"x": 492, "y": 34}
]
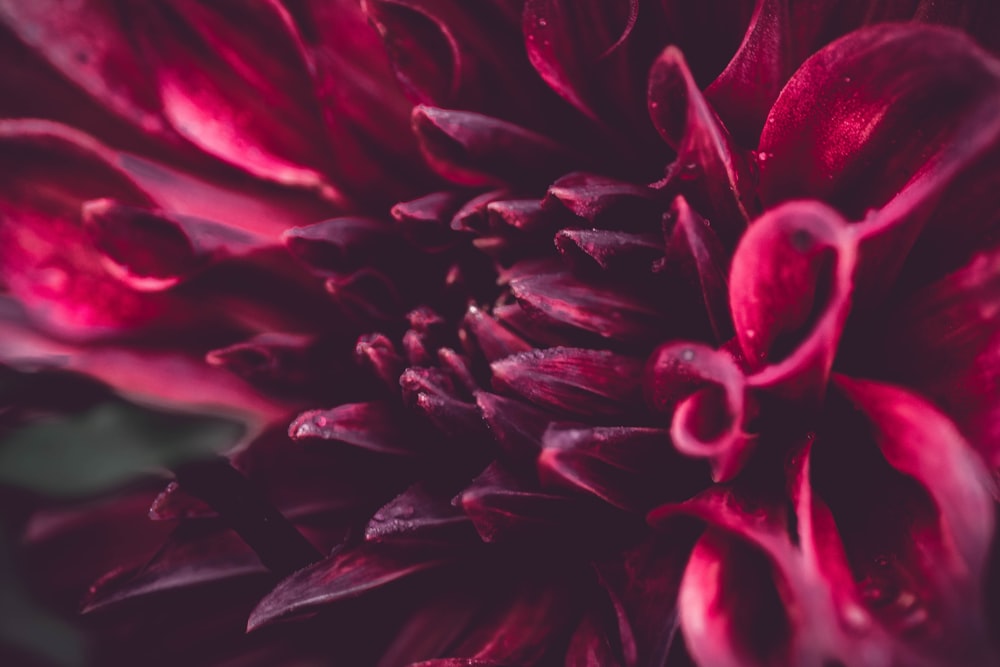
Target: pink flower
[{"x": 619, "y": 333}]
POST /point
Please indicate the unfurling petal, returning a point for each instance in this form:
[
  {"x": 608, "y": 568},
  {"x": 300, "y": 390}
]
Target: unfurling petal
[{"x": 790, "y": 292}]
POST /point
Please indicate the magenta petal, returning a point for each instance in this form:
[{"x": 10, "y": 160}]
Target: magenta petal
[
  {"x": 705, "y": 392},
  {"x": 347, "y": 573},
  {"x": 366, "y": 425},
  {"x": 790, "y": 292},
  {"x": 472, "y": 149},
  {"x": 713, "y": 173},
  {"x": 128, "y": 236},
  {"x": 695, "y": 257},
  {"x": 235, "y": 98},
  {"x": 853, "y": 125},
  {"x": 611, "y": 313},
  {"x": 575, "y": 381},
  {"x": 732, "y": 610},
  {"x": 944, "y": 341}
]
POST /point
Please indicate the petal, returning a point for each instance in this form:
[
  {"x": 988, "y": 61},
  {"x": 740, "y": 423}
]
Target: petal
[
  {"x": 872, "y": 137},
  {"x": 516, "y": 426},
  {"x": 426, "y": 221},
  {"x": 695, "y": 257},
  {"x": 420, "y": 514},
  {"x": 632, "y": 468},
  {"x": 713, "y": 174},
  {"x": 705, "y": 392},
  {"x": 790, "y": 292},
  {"x": 493, "y": 340},
  {"x": 475, "y": 150},
  {"x": 609, "y": 312},
  {"x": 371, "y": 426},
  {"x": 615, "y": 252},
  {"x": 348, "y": 573},
  {"x": 604, "y": 202},
  {"x": 127, "y": 236},
  {"x": 343, "y": 244},
  {"x": 590, "y": 646},
  {"x": 944, "y": 341},
  {"x": 575, "y": 381},
  {"x": 377, "y": 354}
]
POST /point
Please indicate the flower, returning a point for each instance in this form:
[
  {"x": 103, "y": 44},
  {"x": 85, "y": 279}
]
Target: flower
[{"x": 618, "y": 333}]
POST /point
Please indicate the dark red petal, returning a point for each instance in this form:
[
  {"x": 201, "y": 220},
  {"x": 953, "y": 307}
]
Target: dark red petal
[
  {"x": 347, "y": 573},
  {"x": 874, "y": 111},
  {"x": 712, "y": 172},
  {"x": 490, "y": 337},
  {"x": 590, "y": 646},
  {"x": 420, "y": 514},
  {"x": 705, "y": 392},
  {"x": 945, "y": 342},
  {"x": 517, "y": 426},
  {"x": 342, "y": 244},
  {"x": 790, "y": 292},
  {"x": 426, "y": 221},
  {"x": 604, "y": 202},
  {"x": 695, "y": 257},
  {"x": 371, "y": 426},
  {"x": 632, "y": 468},
  {"x": 276, "y": 361},
  {"x": 594, "y": 383},
  {"x": 643, "y": 585},
  {"x": 151, "y": 251},
  {"x": 377, "y": 354},
  {"x": 618, "y": 252},
  {"x": 472, "y": 149},
  {"x": 611, "y": 313},
  {"x": 366, "y": 296},
  {"x": 524, "y": 215},
  {"x": 195, "y": 554}
]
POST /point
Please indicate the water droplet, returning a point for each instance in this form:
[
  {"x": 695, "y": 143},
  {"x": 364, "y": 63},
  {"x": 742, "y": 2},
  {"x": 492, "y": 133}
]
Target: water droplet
[
  {"x": 542, "y": 23},
  {"x": 764, "y": 156},
  {"x": 751, "y": 334},
  {"x": 687, "y": 354},
  {"x": 847, "y": 79}
]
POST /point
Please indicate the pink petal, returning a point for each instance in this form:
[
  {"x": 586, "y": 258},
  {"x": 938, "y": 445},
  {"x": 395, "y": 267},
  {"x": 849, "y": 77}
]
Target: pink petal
[
  {"x": 575, "y": 381},
  {"x": 476, "y": 150},
  {"x": 790, "y": 292},
  {"x": 705, "y": 392},
  {"x": 348, "y": 573},
  {"x": 226, "y": 92},
  {"x": 127, "y": 237},
  {"x": 713, "y": 174}
]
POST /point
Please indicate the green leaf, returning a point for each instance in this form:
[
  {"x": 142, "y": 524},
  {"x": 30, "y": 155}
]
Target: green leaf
[{"x": 106, "y": 446}]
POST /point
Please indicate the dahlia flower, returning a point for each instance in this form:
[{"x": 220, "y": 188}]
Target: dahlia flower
[{"x": 555, "y": 332}]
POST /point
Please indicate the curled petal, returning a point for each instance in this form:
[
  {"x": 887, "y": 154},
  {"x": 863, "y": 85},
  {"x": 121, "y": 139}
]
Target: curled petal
[
  {"x": 376, "y": 353},
  {"x": 705, "y": 391},
  {"x": 367, "y": 295},
  {"x": 346, "y": 574},
  {"x": 425, "y": 221},
  {"x": 608, "y": 312},
  {"x": 790, "y": 292},
  {"x": 575, "y": 381},
  {"x": 370, "y": 426},
  {"x": 472, "y": 149},
  {"x": 712, "y": 171},
  {"x": 517, "y": 426}
]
